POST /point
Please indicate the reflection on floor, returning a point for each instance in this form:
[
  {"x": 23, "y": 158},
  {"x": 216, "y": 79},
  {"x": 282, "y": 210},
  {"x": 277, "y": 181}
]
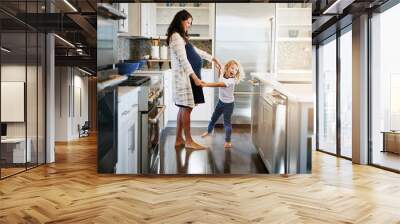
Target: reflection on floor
[
  {"x": 242, "y": 158},
  {"x": 5, "y": 172},
  {"x": 11, "y": 169},
  {"x": 386, "y": 159}
]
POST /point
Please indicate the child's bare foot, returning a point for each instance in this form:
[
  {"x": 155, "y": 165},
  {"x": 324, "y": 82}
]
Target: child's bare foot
[
  {"x": 205, "y": 134},
  {"x": 228, "y": 145},
  {"x": 194, "y": 145}
]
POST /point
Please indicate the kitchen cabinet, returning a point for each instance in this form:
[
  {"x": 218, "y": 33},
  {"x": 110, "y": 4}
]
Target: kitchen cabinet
[
  {"x": 123, "y": 23},
  {"x": 168, "y": 102},
  {"x": 142, "y": 19},
  {"x": 283, "y": 125},
  {"x": 203, "y": 18},
  {"x": 171, "y": 108},
  {"x": 152, "y": 19},
  {"x": 127, "y": 162},
  {"x": 202, "y": 112},
  {"x": 293, "y": 34},
  {"x": 272, "y": 122},
  {"x": 147, "y": 19}
]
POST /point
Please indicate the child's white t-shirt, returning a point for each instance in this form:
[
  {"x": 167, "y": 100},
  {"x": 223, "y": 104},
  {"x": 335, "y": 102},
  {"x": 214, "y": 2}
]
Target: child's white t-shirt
[{"x": 226, "y": 93}]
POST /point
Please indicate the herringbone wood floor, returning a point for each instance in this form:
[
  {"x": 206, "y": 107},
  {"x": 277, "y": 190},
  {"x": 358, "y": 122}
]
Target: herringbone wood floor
[{"x": 70, "y": 191}]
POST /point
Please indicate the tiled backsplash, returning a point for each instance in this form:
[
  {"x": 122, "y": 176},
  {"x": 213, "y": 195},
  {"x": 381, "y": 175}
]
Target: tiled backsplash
[
  {"x": 294, "y": 56},
  {"x": 134, "y": 49}
]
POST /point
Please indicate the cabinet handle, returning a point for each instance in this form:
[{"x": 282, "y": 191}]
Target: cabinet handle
[{"x": 254, "y": 82}]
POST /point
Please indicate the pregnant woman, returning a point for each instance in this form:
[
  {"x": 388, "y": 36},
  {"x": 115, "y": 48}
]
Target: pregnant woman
[{"x": 186, "y": 63}]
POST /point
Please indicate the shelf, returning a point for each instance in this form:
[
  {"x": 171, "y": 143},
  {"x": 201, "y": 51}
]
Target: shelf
[
  {"x": 293, "y": 9},
  {"x": 182, "y": 7},
  {"x": 191, "y": 38},
  {"x": 290, "y": 25},
  {"x": 295, "y": 39},
  {"x": 194, "y": 24},
  {"x": 158, "y": 60},
  {"x": 129, "y": 36},
  {"x": 294, "y": 71}
]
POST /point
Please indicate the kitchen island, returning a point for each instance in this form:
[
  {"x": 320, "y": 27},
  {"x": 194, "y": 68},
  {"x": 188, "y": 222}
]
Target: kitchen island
[{"x": 282, "y": 124}]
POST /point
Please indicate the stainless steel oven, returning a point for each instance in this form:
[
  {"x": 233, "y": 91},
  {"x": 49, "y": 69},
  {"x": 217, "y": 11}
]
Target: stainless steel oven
[{"x": 155, "y": 123}]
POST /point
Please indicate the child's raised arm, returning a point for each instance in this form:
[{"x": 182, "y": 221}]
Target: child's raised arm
[
  {"x": 219, "y": 71},
  {"x": 213, "y": 84}
]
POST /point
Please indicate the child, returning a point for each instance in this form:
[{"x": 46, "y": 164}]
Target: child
[{"x": 227, "y": 82}]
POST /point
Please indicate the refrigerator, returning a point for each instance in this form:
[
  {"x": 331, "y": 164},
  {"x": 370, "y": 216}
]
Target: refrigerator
[{"x": 245, "y": 32}]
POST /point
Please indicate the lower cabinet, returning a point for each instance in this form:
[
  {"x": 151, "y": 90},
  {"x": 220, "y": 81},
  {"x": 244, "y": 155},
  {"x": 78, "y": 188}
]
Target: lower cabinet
[
  {"x": 128, "y": 131},
  {"x": 168, "y": 101},
  {"x": 201, "y": 112}
]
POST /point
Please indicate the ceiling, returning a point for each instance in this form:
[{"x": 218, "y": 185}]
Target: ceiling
[
  {"x": 74, "y": 21},
  {"x": 332, "y": 15}
]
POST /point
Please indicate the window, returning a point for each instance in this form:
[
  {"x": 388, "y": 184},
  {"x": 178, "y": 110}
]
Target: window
[
  {"x": 346, "y": 93},
  {"x": 385, "y": 89},
  {"x": 327, "y": 96}
]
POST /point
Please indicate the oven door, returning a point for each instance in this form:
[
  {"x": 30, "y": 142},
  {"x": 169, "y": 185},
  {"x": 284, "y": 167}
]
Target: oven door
[{"x": 155, "y": 124}]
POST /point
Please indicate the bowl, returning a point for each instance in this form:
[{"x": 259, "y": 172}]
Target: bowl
[
  {"x": 141, "y": 62},
  {"x": 127, "y": 68}
]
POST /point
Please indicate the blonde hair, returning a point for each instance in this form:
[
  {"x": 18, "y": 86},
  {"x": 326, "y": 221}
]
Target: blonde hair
[{"x": 240, "y": 73}]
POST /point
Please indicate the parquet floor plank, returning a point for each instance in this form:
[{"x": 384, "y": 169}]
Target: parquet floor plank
[{"x": 71, "y": 191}]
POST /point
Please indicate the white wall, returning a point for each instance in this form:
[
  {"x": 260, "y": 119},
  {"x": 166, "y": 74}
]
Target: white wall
[
  {"x": 71, "y": 93},
  {"x": 12, "y": 73},
  {"x": 33, "y": 126}
]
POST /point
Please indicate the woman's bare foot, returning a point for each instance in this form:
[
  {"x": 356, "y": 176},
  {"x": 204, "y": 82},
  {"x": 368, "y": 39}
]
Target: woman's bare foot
[
  {"x": 194, "y": 145},
  {"x": 205, "y": 134},
  {"x": 179, "y": 142},
  {"x": 228, "y": 145}
]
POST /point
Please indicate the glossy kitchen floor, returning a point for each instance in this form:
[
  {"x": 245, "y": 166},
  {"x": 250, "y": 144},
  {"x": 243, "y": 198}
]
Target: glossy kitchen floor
[
  {"x": 242, "y": 158},
  {"x": 71, "y": 191}
]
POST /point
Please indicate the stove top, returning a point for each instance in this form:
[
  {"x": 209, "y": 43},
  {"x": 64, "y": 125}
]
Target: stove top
[{"x": 135, "y": 81}]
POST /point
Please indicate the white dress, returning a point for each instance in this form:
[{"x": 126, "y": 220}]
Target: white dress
[{"x": 181, "y": 70}]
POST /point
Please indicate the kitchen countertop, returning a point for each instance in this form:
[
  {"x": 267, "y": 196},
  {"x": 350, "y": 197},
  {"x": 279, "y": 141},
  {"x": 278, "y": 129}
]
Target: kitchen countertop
[
  {"x": 151, "y": 71},
  {"x": 296, "y": 92},
  {"x": 113, "y": 81},
  {"x": 159, "y": 71}
]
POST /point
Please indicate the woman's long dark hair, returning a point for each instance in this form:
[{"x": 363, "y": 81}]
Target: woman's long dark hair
[{"x": 176, "y": 25}]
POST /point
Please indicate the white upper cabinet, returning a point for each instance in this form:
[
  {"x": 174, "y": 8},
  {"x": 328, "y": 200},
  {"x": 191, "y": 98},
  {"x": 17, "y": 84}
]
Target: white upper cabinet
[
  {"x": 153, "y": 19},
  {"x": 123, "y": 23},
  {"x": 147, "y": 19},
  {"x": 203, "y": 18}
]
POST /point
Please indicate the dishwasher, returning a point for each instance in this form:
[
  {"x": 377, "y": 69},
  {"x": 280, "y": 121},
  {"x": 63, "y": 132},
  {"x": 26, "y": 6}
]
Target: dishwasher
[{"x": 272, "y": 114}]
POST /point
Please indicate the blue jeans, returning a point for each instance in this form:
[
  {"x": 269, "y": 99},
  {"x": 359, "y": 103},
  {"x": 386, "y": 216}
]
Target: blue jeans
[{"x": 227, "y": 110}]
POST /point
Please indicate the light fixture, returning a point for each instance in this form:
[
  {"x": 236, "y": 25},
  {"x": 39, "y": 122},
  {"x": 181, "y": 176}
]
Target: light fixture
[
  {"x": 64, "y": 40},
  {"x": 86, "y": 72},
  {"x": 5, "y": 50},
  {"x": 70, "y": 5}
]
